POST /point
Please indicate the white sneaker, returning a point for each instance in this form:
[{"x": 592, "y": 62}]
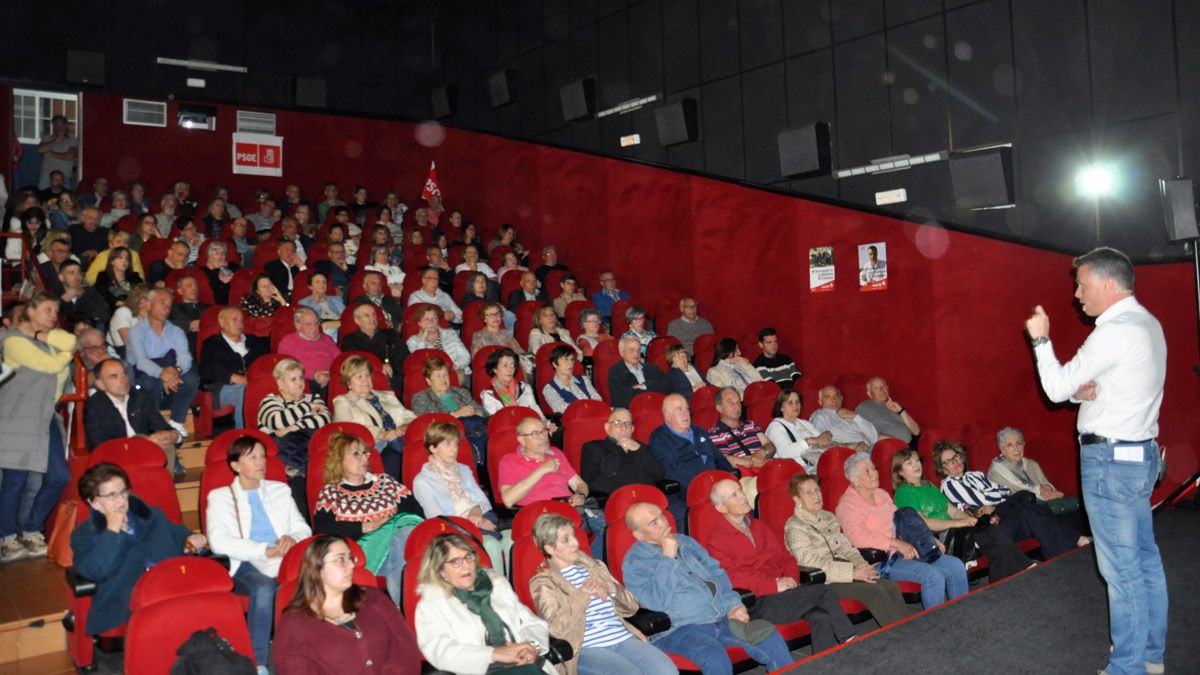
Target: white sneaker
[
  {"x": 179, "y": 428},
  {"x": 35, "y": 543},
  {"x": 12, "y": 550}
]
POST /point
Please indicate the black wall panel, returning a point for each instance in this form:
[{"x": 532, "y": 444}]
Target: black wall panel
[
  {"x": 761, "y": 32},
  {"x": 1053, "y": 211},
  {"x": 646, "y": 49},
  {"x": 557, "y": 64},
  {"x": 861, "y": 130},
  {"x": 764, "y": 115},
  {"x": 916, "y": 60},
  {"x": 1187, "y": 26},
  {"x": 508, "y": 29},
  {"x": 720, "y": 52},
  {"x": 855, "y": 18},
  {"x": 612, "y": 128},
  {"x": 810, "y": 98},
  {"x": 681, "y": 40},
  {"x": 1050, "y": 48},
  {"x": 644, "y": 124},
  {"x": 581, "y": 13},
  {"x": 586, "y": 135},
  {"x": 557, "y": 18},
  {"x": 1142, "y": 151},
  {"x": 805, "y": 26},
  {"x": 900, "y": 12},
  {"x": 583, "y": 53},
  {"x": 979, "y": 64},
  {"x": 721, "y": 127},
  {"x": 685, "y": 155},
  {"x": 612, "y": 68},
  {"x": 531, "y": 77},
  {"x": 1133, "y": 59}
]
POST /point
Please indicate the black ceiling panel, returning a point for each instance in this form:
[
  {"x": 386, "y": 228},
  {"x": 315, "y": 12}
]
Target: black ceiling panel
[
  {"x": 719, "y": 40},
  {"x": 681, "y": 44},
  {"x": 805, "y": 26},
  {"x": 612, "y": 71},
  {"x": 903, "y": 11},
  {"x": 1050, "y": 50},
  {"x": 862, "y": 189},
  {"x": 721, "y": 126},
  {"x": 855, "y": 18},
  {"x": 930, "y": 196},
  {"x": 612, "y": 128},
  {"x": 557, "y": 64},
  {"x": 606, "y": 7},
  {"x": 584, "y": 53},
  {"x": 761, "y": 32},
  {"x": 810, "y": 93},
  {"x": 645, "y": 49},
  {"x": 861, "y": 130},
  {"x": 982, "y": 90},
  {"x": 586, "y": 135},
  {"x": 557, "y": 18},
  {"x": 531, "y": 24},
  {"x": 1187, "y": 25},
  {"x": 509, "y": 117},
  {"x": 508, "y": 29},
  {"x": 1133, "y": 59},
  {"x": 271, "y": 89},
  {"x": 83, "y": 26},
  {"x": 644, "y": 124},
  {"x": 581, "y": 13},
  {"x": 1052, "y": 210},
  {"x": 764, "y": 115},
  {"x": 916, "y": 59},
  {"x": 531, "y": 82}
]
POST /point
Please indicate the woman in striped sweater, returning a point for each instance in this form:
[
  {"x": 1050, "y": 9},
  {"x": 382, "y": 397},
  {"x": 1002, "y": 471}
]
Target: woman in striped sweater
[{"x": 291, "y": 416}]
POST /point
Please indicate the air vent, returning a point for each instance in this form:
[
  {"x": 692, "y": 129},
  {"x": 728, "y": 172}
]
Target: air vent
[
  {"x": 254, "y": 122},
  {"x": 145, "y": 113}
]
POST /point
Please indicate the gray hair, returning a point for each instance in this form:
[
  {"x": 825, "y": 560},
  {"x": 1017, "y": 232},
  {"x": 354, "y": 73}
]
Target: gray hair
[
  {"x": 218, "y": 245},
  {"x": 630, "y": 338},
  {"x": 852, "y": 462},
  {"x": 634, "y": 312},
  {"x": 1007, "y": 431},
  {"x": 717, "y": 496},
  {"x": 546, "y": 529},
  {"x": 1108, "y": 263},
  {"x": 286, "y": 366},
  {"x": 303, "y": 310},
  {"x": 721, "y": 393},
  {"x": 587, "y": 314}
]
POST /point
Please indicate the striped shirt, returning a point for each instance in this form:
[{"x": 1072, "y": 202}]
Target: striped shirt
[
  {"x": 973, "y": 489},
  {"x": 740, "y": 441},
  {"x": 275, "y": 413},
  {"x": 602, "y": 627}
]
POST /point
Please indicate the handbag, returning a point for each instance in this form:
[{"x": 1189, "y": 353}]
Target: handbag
[{"x": 910, "y": 527}]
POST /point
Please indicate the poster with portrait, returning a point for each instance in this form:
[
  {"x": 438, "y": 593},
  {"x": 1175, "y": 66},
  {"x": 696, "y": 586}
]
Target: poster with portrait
[
  {"x": 872, "y": 267},
  {"x": 820, "y": 269}
]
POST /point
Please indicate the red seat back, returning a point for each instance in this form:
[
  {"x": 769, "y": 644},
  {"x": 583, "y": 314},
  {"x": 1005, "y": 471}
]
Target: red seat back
[
  {"x": 415, "y": 455},
  {"x": 656, "y": 351},
  {"x": 617, "y": 536},
  {"x": 500, "y": 443},
  {"x": 523, "y": 522},
  {"x": 777, "y": 472},
  {"x": 206, "y": 293},
  {"x": 497, "y": 255},
  {"x": 427, "y": 531},
  {"x": 282, "y": 325},
  {"x": 347, "y": 319},
  {"x": 218, "y": 449},
  {"x": 759, "y": 410},
  {"x": 700, "y": 488},
  {"x": 128, "y": 453},
  {"x": 553, "y": 283},
  {"x": 524, "y": 322},
  {"x": 155, "y": 486},
  {"x": 929, "y": 438},
  {"x": 571, "y": 316},
  {"x": 507, "y": 419},
  {"x": 605, "y": 355},
  {"x": 646, "y": 421},
  {"x": 156, "y": 631},
  {"x": 526, "y": 558},
  {"x": 704, "y": 399},
  {"x": 764, "y": 390},
  {"x": 208, "y": 327},
  {"x": 647, "y": 403},
  {"x": 414, "y": 372},
  {"x": 883, "y": 452},
  {"x": 831, "y": 469},
  {"x": 619, "y": 323},
  {"x": 472, "y": 321},
  {"x": 702, "y": 520},
  {"x": 153, "y": 250},
  {"x": 289, "y": 567},
  {"x": 239, "y": 285},
  {"x": 775, "y": 506},
  {"x": 703, "y": 348},
  {"x": 580, "y": 432},
  {"x": 217, "y": 475},
  {"x": 178, "y": 576},
  {"x": 379, "y": 381}
]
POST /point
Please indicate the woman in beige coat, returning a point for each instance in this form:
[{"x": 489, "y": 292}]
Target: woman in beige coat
[
  {"x": 815, "y": 538},
  {"x": 377, "y": 410},
  {"x": 586, "y": 606}
]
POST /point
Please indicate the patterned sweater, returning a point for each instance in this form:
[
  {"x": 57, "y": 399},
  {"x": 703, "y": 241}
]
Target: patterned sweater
[{"x": 342, "y": 509}]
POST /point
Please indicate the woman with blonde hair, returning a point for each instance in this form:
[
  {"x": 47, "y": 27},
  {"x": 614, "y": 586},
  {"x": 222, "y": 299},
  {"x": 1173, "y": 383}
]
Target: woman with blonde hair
[
  {"x": 377, "y": 409},
  {"x": 291, "y": 416}
]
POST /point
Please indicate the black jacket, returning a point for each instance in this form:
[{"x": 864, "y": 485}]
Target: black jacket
[
  {"x": 220, "y": 361},
  {"x": 606, "y": 466},
  {"x": 518, "y": 296},
  {"x": 621, "y": 383},
  {"x": 393, "y": 309},
  {"x": 91, "y": 304},
  {"x": 102, "y": 422},
  {"x": 278, "y": 272}
]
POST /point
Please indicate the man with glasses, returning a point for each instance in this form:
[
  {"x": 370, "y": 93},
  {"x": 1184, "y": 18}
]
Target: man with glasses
[
  {"x": 690, "y": 325},
  {"x": 608, "y": 295},
  {"x": 848, "y": 427},
  {"x": 618, "y": 460},
  {"x": 537, "y": 471},
  {"x": 429, "y": 292},
  {"x": 117, "y": 410}
]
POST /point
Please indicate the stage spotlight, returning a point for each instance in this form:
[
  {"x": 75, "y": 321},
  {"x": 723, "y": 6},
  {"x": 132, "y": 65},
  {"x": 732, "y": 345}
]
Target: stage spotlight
[{"x": 1094, "y": 180}]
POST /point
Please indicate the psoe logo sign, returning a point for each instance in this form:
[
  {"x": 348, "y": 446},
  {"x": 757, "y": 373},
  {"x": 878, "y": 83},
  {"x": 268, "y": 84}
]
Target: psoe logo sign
[{"x": 258, "y": 154}]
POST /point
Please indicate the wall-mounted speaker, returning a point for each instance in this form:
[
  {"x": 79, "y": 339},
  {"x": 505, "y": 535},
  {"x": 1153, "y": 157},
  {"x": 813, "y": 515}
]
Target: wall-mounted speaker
[
  {"x": 310, "y": 92},
  {"x": 86, "y": 67},
  {"x": 444, "y": 101},
  {"x": 677, "y": 122},
  {"x": 805, "y": 152},
  {"x": 982, "y": 179},
  {"x": 578, "y": 99},
  {"x": 1179, "y": 208},
  {"x": 502, "y": 87}
]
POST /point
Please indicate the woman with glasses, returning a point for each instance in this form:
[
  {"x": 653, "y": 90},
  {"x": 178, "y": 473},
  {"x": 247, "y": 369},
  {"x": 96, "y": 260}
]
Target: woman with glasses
[
  {"x": 121, "y": 537},
  {"x": 333, "y": 625},
  {"x": 494, "y": 333},
  {"x": 373, "y": 509},
  {"x": 546, "y": 329},
  {"x": 470, "y": 621}
]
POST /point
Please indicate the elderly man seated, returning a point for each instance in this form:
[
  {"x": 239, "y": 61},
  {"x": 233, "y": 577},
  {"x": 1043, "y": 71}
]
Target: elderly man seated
[
  {"x": 386, "y": 344},
  {"x": 431, "y": 293},
  {"x": 117, "y": 410},
  {"x": 888, "y": 416},
  {"x": 848, "y": 427},
  {"x": 528, "y": 291},
  {"x": 283, "y": 272},
  {"x": 227, "y": 357},
  {"x": 373, "y": 285},
  {"x": 618, "y": 460},
  {"x": 744, "y": 444},
  {"x": 684, "y": 451},
  {"x": 671, "y": 573},
  {"x": 631, "y": 376},
  {"x": 312, "y": 348},
  {"x": 549, "y": 264},
  {"x": 608, "y": 295},
  {"x": 755, "y": 559},
  {"x": 186, "y": 311},
  {"x": 690, "y": 325},
  {"x": 537, "y": 471}
]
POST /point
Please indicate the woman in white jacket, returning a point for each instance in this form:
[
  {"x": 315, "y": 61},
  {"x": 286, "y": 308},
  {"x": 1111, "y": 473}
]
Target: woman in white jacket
[
  {"x": 254, "y": 522},
  {"x": 469, "y": 618}
]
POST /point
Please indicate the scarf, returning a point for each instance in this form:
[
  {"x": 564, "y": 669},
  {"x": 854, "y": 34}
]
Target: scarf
[
  {"x": 453, "y": 482},
  {"x": 508, "y": 394},
  {"x": 1017, "y": 470},
  {"x": 479, "y": 602}
]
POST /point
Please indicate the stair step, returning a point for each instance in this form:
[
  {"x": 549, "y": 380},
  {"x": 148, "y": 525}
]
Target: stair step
[
  {"x": 32, "y": 637},
  {"x": 191, "y": 453}
]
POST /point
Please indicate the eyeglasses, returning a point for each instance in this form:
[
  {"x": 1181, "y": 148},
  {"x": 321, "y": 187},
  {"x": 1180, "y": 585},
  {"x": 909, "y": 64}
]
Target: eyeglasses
[
  {"x": 360, "y": 454},
  {"x": 457, "y": 563},
  {"x": 621, "y": 424},
  {"x": 488, "y": 315},
  {"x": 342, "y": 560},
  {"x": 540, "y": 432},
  {"x": 114, "y": 495},
  {"x": 605, "y": 280},
  {"x": 953, "y": 460}
]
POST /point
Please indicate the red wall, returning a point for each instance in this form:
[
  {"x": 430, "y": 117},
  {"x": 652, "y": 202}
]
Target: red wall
[{"x": 947, "y": 333}]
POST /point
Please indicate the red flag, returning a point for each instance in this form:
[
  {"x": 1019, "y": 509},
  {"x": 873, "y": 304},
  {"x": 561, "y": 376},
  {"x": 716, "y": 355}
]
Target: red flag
[{"x": 431, "y": 183}]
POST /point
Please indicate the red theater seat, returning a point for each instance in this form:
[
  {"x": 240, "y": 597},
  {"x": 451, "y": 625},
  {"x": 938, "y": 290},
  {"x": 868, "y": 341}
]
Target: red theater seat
[{"x": 156, "y": 631}]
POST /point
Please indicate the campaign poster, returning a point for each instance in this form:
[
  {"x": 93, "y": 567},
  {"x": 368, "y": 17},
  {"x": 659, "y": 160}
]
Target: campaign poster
[
  {"x": 872, "y": 267},
  {"x": 257, "y": 154},
  {"x": 820, "y": 269}
]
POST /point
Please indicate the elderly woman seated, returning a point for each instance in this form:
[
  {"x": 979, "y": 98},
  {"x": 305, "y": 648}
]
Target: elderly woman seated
[
  {"x": 255, "y": 522},
  {"x": 121, "y": 538},
  {"x": 814, "y": 537},
  {"x": 430, "y": 335},
  {"x": 378, "y": 410},
  {"x": 636, "y": 316},
  {"x": 494, "y": 333},
  {"x": 866, "y": 514},
  {"x": 469, "y": 620},
  {"x": 592, "y": 332},
  {"x": 331, "y": 622},
  {"x": 440, "y": 397},
  {"x": 291, "y": 416},
  {"x": 729, "y": 368},
  {"x": 1020, "y": 514},
  {"x": 546, "y": 329},
  {"x": 446, "y": 488},
  {"x": 1015, "y": 471},
  {"x": 1004, "y": 558},
  {"x": 566, "y": 387},
  {"x": 586, "y": 607},
  {"x": 685, "y": 379},
  {"x": 376, "y": 511}
]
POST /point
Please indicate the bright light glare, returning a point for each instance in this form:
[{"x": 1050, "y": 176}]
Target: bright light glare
[{"x": 1094, "y": 180}]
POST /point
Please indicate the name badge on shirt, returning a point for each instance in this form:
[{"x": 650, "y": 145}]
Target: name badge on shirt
[{"x": 1129, "y": 453}]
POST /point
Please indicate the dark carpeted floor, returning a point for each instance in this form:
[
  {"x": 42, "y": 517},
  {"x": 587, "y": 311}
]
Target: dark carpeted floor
[{"x": 1051, "y": 619}]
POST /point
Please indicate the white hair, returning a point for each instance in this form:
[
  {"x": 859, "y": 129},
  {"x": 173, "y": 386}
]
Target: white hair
[{"x": 852, "y": 462}]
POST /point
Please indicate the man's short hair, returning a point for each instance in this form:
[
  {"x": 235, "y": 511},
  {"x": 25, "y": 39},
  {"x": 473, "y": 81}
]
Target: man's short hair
[
  {"x": 99, "y": 367},
  {"x": 69, "y": 262},
  {"x": 1109, "y": 263},
  {"x": 56, "y": 171},
  {"x": 766, "y": 333},
  {"x": 303, "y": 310}
]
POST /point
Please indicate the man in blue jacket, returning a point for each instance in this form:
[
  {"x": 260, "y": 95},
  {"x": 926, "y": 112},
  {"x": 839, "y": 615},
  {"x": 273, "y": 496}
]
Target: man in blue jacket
[
  {"x": 673, "y": 574},
  {"x": 684, "y": 451}
]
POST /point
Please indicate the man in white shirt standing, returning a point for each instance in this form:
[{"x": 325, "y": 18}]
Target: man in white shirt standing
[{"x": 1117, "y": 378}]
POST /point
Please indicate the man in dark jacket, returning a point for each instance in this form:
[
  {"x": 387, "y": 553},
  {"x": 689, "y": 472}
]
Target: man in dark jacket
[
  {"x": 284, "y": 270},
  {"x": 382, "y": 342},
  {"x": 227, "y": 357},
  {"x": 117, "y": 410},
  {"x": 528, "y": 291},
  {"x": 631, "y": 377},
  {"x": 619, "y": 460},
  {"x": 683, "y": 450},
  {"x": 80, "y": 300}
]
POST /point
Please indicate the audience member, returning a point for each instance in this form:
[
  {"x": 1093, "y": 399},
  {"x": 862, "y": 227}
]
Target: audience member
[
  {"x": 291, "y": 416},
  {"x": 260, "y": 305},
  {"x": 227, "y": 358},
  {"x": 512, "y": 263},
  {"x": 92, "y": 350},
  {"x": 137, "y": 306},
  {"x": 380, "y": 261},
  {"x": 528, "y": 292},
  {"x": 187, "y": 205},
  {"x": 57, "y": 251},
  {"x": 429, "y": 292},
  {"x": 117, "y": 410},
  {"x": 440, "y": 397},
  {"x": 549, "y": 264},
  {"x": 243, "y": 240},
  {"x": 568, "y": 293},
  {"x": 64, "y": 212},
  {"x": 546, "y": 329},
  {"x": 793, "y": 436},
  {"x": 88, "y": 238},
  {"x": 771, "y": 364},
  {"x": 168, "y": 208},
  {"x": 636, "y": 316},
  {"x": 729, "y": 368},
  {"x": 472, "y": 263},
  {"x": 138, "y": 202},
  {"x": 618, "y": 459},
  {"x": 430, "y": 335},
  {"x": 671, "y": 573},
  {"x": 216, "y": 219},
  {"x": 885, "y": 414},
  {"x": 608, "y": 295},
  {"x": 507, "y": 390},
  {"x": 79, "y": 299},
  {"x": 98, "y": 194},
  {"x": 56, "y": 186},
  {"x": 592, "y": 334},
  {"x": 312, "y": 348},
  {"x": 630, "y": 376},
  {"x": 848, "y": 427},
  {"x": 331, "y": 200},
  {"x": 189, "y": 233},
  {"x": 117, "y": 239},
  {"x": 176, "y": 259},
  {"x": 163, "y": 365},
  {"x": 340, "y": 270},
  {"x": 566, "y": 387},
  {"x": 329, "y": 308},
  {"x": 284, "y": 270},
  {"x": 186, "y": 312},
  {"x": 385, "y": 344},
  {"x": 1013, "y": 470},
  {"x": 264, "y": 218},
  {"x": 493, "y": 334},
  {"x": 683, "y": 450},
  {"x": 689, "y": 325},
  {"x": 219, "y": 271},
  {"x": 435, "y": 259},
  {"x": 378, "y": 410},
  {"x": 684, "y": 378},
  {"x": 114, "y": 282},
  {"x": 373, "y": 294},
  {"x": 744, "y": 444}
]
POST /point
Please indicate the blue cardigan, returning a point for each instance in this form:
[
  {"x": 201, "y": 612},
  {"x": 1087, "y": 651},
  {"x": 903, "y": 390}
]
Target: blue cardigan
[
  {"x": 116, "y": 560},
  {"x": 682, "y": 460},
  {"x": 679, "y": 586}
]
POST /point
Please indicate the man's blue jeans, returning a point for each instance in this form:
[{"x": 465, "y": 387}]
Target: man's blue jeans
[
  {"x": 234, "y": 395},
  {"x": 12, "y": 487},
  {"x": 180, "y": 401},
  {"x": 261, "y": 615},
  {"x": 705, "y": 643},
  {"x": 943, "y": 579},
  {"x": 1116, "y": 494}
]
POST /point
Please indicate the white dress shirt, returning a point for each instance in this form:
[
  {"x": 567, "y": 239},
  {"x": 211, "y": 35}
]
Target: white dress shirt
[
  {"x": 122, "y": 406},
  {"x": 848, "y": 431},
  {"x": 1126, "y": 356}
]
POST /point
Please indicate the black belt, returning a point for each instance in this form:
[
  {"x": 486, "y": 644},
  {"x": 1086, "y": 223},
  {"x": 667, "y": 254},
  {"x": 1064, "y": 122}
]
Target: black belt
[{"x": 1093, "y": 439}]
